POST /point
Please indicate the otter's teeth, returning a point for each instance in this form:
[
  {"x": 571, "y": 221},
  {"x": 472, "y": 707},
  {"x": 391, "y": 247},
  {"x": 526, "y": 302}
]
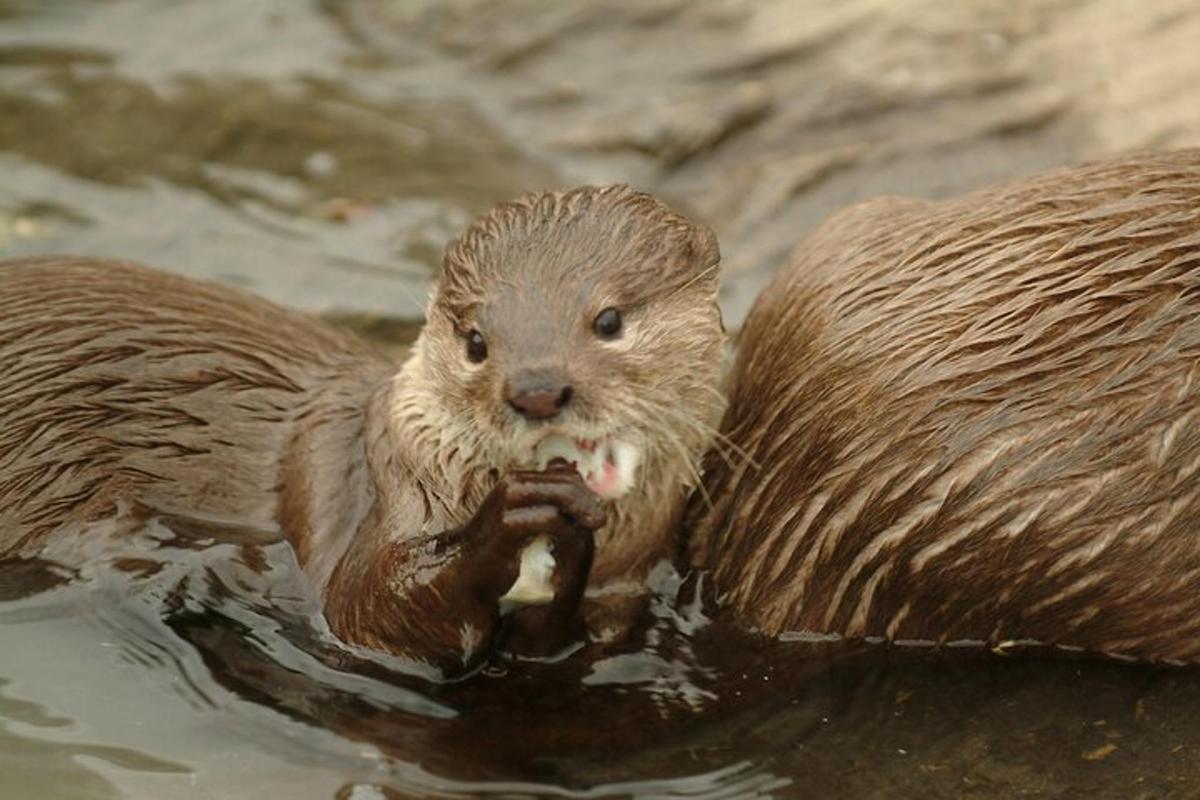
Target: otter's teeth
[
  {"x": 555, "y": 446},
  {"x": 606, "y": 464},
  {"x": 586, "y": 460}
]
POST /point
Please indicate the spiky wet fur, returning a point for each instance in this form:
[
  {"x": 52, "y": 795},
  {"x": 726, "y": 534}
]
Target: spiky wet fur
[{"x": 976, "y": 419}]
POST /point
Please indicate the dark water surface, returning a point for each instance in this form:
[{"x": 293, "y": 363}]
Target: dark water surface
[
  {"x": 321, "y": 153},
  {"x": 188, "y": 665}
]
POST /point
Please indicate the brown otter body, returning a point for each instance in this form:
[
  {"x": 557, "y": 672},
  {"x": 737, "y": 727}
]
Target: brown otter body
[
  {"x": 977, "y": 419},
  {"x": 407, "y": 494}
]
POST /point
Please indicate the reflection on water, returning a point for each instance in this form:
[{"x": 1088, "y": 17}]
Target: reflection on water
[
  {"x": 179, "y": 646},
  {"x": 321, "y": 153}
]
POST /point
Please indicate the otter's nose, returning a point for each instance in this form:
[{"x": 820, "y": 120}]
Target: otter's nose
[{"x": 539, "y": 394}]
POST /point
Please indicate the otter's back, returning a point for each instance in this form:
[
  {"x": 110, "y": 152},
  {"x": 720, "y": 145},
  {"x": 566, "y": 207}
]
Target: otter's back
[
  {"x": 977, "y": 419},
  {"x": 123, "y": 383}
]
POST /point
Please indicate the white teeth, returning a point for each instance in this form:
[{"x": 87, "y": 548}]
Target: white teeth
[
  {"x": 588, "y": 463},
  {"x": 558, "y": 446},
  {"x": 606, "y": 464}
]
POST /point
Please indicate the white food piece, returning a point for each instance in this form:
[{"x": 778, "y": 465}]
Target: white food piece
[{"x": 532, "y": 586}]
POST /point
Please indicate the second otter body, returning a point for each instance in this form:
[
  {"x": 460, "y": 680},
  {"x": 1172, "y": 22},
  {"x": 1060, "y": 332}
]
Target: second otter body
[{"x": 976, "y": 419}]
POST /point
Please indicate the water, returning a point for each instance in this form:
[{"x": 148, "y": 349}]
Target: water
[
  {"x": 321, "y": 154},
  {"x": 183, "y": 665}
]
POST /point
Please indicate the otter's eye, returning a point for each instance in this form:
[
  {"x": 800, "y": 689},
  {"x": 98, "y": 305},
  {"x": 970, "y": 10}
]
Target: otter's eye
[
  {"x": 608, "y": 323},
  {"x": 476, "y": 347}
]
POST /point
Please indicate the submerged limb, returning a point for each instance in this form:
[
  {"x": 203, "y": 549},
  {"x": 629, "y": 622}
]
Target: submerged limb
[{"x": 438, "y": 599}]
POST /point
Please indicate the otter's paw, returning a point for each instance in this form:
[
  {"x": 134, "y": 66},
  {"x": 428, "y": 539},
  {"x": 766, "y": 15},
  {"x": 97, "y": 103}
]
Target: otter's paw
[
  {"x": 555, "y": 514},
  {"x": 537, "y": 522},
  {"x": 543, "y": 502}
]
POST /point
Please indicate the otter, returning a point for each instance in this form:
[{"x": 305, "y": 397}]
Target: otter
[
  {"x": 550, "y": 420},
  {"x": 975, "y": 419}
]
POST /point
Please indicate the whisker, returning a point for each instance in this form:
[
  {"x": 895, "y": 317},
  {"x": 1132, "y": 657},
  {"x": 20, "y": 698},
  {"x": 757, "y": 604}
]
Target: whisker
[
  {"x": 737, "y": 449},
  {"x": 652, "y": 420},
  {"x": 697, "y": 277},
  {"x": 719, "y": 442}
]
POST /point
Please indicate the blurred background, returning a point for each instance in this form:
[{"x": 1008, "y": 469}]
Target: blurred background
[{"x": 321, "y": 152}]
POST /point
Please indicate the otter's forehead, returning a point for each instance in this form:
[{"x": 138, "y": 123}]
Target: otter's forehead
[
  {"x": 570, "y": 247},
  {"x": 581, "y": 253},
  {"x": 548, "y": 304}
]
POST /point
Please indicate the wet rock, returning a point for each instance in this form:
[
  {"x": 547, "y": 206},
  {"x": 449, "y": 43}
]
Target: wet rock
[
  {"x": 673, "y": 130},
  {"x": 766, "y": 117}
]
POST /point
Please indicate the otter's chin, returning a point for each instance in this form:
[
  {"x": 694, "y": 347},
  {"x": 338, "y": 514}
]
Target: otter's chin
[{"x": 606, "y": 464}]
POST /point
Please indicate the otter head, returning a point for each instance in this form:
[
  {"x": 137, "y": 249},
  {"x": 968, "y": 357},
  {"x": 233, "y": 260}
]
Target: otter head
[{"x": 583, "y": 325}]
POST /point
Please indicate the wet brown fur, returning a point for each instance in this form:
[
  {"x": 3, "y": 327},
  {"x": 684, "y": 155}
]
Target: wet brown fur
[
  {"x": 121, "y": 383},
  {"x": 126, "y": 387},
  {"x": 976, "y": 419}
]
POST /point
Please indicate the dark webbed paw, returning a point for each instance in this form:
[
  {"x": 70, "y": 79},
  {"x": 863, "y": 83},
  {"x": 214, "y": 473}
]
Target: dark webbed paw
[
  {"x": 526, "y": 510},
  {"x": 543, "y": 548}
]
